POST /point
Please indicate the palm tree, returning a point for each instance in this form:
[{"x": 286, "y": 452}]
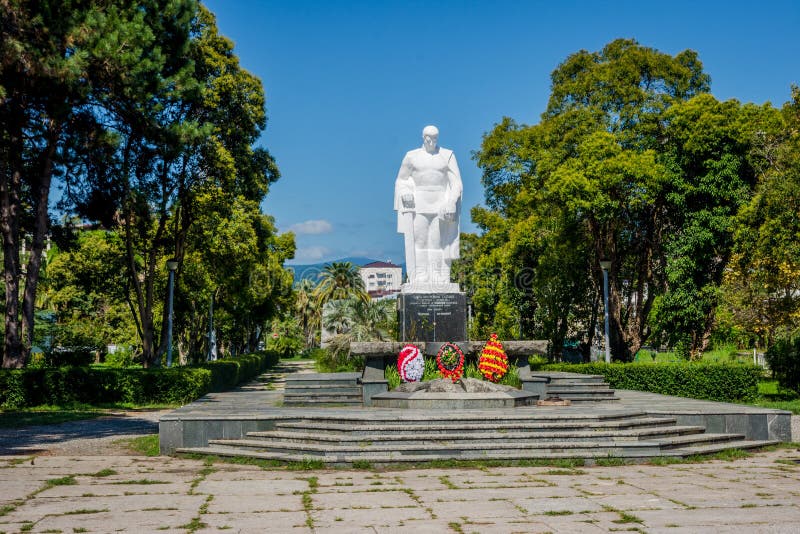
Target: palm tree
[
  {"x": 355, "y": 320},
  {"x": 307, "y": 311},
  {"x": 338, "y": 281}
]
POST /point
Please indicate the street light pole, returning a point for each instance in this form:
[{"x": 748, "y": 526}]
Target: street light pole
[
  {"x": 172, "y": 265},
  {"x": 606, "y": 265},
  {"x": 212, "y": 340}
]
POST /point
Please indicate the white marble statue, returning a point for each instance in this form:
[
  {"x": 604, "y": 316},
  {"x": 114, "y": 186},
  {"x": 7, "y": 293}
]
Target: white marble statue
[{"x": 427, "y": 198}]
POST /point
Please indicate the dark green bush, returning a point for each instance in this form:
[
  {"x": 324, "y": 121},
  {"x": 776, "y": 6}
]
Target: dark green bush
[
  {"x": 21, "y": 388},
  {"x": 719, "y": 382},
  {"x": 784, "y": 359},
  {"x": 229, "y": 372}
]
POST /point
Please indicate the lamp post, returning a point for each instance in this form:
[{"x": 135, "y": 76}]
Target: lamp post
[
  {"x": 172, "y": 265},
  {"x": 212, "y": 338},
  {"x": 606, "y": 265}
]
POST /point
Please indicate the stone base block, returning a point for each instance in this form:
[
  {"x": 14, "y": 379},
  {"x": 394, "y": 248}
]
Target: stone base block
[{"x": 432, "y": 316}]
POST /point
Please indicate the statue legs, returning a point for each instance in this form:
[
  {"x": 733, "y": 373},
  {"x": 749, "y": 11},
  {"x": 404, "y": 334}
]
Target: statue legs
[{"x": 430, "y": 270}]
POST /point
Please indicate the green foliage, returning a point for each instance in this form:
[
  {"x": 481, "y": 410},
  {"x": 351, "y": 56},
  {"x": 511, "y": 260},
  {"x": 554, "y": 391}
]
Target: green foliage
[
  {"x": 718, "y": 382},
  {"x": 762, "y": 289},
  {"x": 333, "y": 361},
  {"x": 286, "y": 337},
  {"x": 634, "y": 162},
  {"x": 229, "y": 372},
  {"x": 784, "y": 360},
  {"x": 338, "y": 281},
  {"x": 95, "y": 386}
]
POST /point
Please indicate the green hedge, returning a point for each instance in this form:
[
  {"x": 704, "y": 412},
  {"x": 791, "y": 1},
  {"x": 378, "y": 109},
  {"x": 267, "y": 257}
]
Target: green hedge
[
  {"x": 228, "y": 373},
  {"x": 20, "y": 388},
  {"x": 718, "y": 382}
]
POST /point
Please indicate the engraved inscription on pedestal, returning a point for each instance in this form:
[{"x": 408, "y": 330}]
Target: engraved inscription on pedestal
[{"x": 432, "y": 316}]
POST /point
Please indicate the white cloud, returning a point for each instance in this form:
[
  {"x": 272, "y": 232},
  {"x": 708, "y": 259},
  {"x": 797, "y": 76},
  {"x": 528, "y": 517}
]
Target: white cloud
[
  {"x": 312, "y": 227},
  {"x": 310, "y": 254}
]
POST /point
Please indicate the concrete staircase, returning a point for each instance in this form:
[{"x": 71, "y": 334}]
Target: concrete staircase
[
  {"x": 386, "y": 438},
  {"x": 322, "y": 389},
  {"x": 578, "y": 387}
]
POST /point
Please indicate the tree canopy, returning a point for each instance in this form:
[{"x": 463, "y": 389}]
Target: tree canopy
[{"x": 633, "y": 161}]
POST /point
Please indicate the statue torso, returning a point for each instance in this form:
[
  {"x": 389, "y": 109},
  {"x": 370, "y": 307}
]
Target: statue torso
[{"x": 429, "y": 174}]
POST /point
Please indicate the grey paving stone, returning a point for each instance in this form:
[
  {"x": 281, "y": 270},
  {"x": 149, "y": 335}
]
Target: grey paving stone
[
  {"x": 344, "y": 518},
  {"x": 255, "y": 522},
  {"x": 364, "y": 499},
  {"x": 475, "y": 511}
]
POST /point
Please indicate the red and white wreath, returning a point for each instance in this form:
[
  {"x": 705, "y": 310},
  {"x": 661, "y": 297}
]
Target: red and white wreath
[{"x": 410, "y": 364}]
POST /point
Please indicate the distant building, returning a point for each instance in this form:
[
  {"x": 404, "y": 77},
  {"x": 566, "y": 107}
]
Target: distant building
[{"x": 381, "y": 278}]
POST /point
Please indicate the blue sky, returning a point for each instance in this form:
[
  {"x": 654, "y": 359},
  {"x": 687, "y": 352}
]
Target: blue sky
[{"x": 350, "y": 85}]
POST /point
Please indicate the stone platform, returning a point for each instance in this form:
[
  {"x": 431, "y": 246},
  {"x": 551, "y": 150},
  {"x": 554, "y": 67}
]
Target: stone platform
[{"x": 467, "y": 393}]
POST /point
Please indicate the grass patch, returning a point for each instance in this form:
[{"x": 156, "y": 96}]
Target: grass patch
[
  {"x": 610, "y": 462},
  {"x": 144, "y": 445},
  {"x": 104, "y": 473},
  {"x": 68, "y": 480},
  {"x": 559, "y": 512},
  {"x": 625, "y": 517},
  {"x": 86, "y": 511},
  {"x": 194, "y": 525},
  {"x": 564, "y": 472}
]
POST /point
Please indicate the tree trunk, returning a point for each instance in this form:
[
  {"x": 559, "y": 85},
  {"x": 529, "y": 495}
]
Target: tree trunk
[
  {"x": 41, "y": 224},
  {"x": 13, "y": 356}
]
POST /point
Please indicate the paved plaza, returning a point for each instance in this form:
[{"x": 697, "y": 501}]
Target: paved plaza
[
  {"x": 164, "y": 494},
  {"x": 78, "y": 477}
]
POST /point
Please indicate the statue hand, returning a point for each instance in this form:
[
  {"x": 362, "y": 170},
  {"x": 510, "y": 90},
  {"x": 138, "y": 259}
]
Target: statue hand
[
  {"x": 408, "y": 200},
  {"x": 447, "y": 213}
]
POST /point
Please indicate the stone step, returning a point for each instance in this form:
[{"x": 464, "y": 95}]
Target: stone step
[
  {"x": 580, "y": 388},
  {"x": 588, "y": 400},
  {"x": 575, "y": 449},
  {"x": 586, "y": 396},
  {"x": 323, "y": 389},
  {"x": 350, "y": 394},
  {"x": 721, "y": 446},
  {"x": 323, "y": 378},
  {"x": 675, "y": 442},
  {"x": 377, "y": 459},
  {"x": 323, "y": 401},
  {"x": 471, "y": 440},
  {"x": 558, "y": 375},
  {"x": 519, "y": 416},
  {"x": 478, "y": 426}
]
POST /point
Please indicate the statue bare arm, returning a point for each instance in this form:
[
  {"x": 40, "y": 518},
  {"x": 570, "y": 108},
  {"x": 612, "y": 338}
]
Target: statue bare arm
[
  {"x": 404, "y": 187},
  {"x": 455, "y": 187}
]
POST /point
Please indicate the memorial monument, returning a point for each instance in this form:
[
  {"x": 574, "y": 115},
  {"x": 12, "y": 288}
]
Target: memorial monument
[{"x": 427, "y": 198}]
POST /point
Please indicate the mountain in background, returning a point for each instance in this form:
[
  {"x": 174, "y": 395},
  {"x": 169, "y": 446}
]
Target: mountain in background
[{"x": 311, "y": 271}]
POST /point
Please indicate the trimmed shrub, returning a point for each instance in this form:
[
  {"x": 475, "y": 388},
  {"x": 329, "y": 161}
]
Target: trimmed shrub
[
  {"x": 229, "y": 372},
  {"x": 784, "y": 359},
  {"x": 20, "y": 388},
  {"x": 718, "y": 382}
]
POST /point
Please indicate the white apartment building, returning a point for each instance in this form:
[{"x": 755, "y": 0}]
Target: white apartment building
[{"x": 381, "y": 278}]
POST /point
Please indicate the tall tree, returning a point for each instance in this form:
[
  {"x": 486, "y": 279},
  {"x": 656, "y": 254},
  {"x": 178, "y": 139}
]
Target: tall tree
[
  {"x": 184, "y": 141},
  {"x": 56, "y": 59},
  {"x": 613, "y": 171},
  {"x": 762, "y": 290}
]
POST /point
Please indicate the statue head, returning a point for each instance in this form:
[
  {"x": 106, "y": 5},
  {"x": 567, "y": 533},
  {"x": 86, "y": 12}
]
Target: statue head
[{"x": 430, "y": 136}]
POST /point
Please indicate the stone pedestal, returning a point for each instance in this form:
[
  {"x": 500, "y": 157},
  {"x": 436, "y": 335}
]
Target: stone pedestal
[{"x": 432, "y": 317}]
